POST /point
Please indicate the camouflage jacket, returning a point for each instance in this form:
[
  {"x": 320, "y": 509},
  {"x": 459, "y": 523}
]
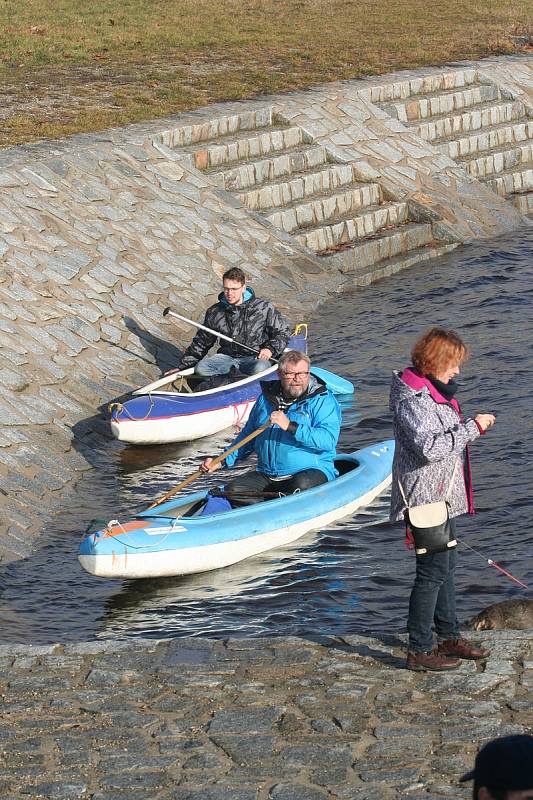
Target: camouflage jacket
[{"x": 255, "y": 322}]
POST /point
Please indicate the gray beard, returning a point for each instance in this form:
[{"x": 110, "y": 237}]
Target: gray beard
[{"x": 288, "y": 396}]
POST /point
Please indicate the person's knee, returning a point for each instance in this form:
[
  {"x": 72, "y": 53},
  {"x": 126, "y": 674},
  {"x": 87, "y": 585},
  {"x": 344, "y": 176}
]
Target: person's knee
[
  {"x": 213, "y": 365},
  {"x": 259, "y": 365},
  {"x": 308, "y": 478},
  {"x": 202, "y": 370}
]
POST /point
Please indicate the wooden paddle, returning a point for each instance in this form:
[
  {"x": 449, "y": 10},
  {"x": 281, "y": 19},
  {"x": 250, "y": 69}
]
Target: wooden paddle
[{"x": 215, "y": 461}]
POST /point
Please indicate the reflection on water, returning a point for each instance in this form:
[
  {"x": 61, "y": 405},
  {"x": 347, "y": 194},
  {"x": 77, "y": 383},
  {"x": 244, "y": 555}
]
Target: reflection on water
[
  {"x": 255, "y": 597},
  {"x": 356, "y": 575}
]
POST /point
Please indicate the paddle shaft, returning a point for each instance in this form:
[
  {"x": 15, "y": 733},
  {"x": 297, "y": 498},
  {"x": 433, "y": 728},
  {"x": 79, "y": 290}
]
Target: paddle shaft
[
  {"x": 215, "y": 461},
  {"x": 245, "y": 493},
  {"x": 219, "y": 335}
]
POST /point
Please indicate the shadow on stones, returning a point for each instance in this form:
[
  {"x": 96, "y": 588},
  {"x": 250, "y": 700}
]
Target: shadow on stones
[
  {"x": 379, "y": 648},
  {"x": 92, "y": 436},
  {"x": 165, "y": 355}
]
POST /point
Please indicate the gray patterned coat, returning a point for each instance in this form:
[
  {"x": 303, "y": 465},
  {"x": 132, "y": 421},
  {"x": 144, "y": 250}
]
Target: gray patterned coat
[{"x": 430, "y": 437}]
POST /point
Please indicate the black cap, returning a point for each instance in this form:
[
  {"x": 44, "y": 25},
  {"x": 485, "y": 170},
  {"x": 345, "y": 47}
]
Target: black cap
[{"x": 505, "y": 763}]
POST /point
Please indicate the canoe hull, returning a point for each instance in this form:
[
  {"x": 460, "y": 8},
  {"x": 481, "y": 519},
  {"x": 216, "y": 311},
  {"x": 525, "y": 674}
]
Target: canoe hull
[
  {"x": 152, "y": 547},
  {"x": 181, "y": 427},
  {"x": 163, "y": 417}
]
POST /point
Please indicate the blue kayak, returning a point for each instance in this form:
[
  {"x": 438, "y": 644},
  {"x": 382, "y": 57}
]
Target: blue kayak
[{"x": 176, "y": 538}]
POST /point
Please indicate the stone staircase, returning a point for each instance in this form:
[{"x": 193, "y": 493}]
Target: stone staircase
[
  {"x": 481, "y": 127},
  {"x": 278, "y": 171}
]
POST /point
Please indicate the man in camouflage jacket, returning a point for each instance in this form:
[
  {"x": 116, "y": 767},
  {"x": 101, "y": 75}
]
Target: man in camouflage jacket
[{"x": 245, "y": 318}]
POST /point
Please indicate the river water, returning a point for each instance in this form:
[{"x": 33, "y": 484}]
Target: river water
[{"x": 355, "y": 576}]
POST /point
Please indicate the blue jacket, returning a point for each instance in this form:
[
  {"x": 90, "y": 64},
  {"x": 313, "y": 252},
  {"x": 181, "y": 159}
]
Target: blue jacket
[{"x": 312, "y": 446}]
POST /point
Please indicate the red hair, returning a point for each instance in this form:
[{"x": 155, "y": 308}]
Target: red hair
[{"x": 436, "y": 350}]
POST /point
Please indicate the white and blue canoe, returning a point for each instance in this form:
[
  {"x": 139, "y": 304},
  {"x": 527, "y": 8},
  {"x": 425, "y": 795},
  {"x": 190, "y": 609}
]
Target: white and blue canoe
[
  {"x": 155, "y": 415},
  {"x": 165, "y": 541}
]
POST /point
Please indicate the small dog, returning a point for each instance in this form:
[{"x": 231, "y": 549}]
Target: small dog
[{"x": 513, "y": 614}]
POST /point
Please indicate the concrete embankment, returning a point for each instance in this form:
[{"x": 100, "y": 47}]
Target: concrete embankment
[
  {"x": 259, "y": 719},
  {"x": 309, "y": 192}
]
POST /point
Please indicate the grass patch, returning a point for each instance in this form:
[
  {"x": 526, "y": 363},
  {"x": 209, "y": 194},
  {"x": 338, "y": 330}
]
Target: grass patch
[{"x": 69, "y": 66}]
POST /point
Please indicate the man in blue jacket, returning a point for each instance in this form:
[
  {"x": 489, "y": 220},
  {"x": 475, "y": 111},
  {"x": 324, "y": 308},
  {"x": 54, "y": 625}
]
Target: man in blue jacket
[{"x": 298, "y": 450}]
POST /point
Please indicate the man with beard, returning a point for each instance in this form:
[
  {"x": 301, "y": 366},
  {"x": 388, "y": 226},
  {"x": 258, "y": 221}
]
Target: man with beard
[{"x": 297, "y": 450}]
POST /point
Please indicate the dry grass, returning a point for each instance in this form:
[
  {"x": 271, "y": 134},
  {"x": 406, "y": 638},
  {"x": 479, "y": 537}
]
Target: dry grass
[{"x": 77, "y": 66}]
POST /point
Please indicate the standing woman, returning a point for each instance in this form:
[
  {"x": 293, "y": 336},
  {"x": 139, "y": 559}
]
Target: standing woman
[{"x": 431, "y": 463}]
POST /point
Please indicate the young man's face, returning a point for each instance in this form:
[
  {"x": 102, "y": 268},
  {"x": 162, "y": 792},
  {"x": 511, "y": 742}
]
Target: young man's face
[{"x": 233, "y": 292}]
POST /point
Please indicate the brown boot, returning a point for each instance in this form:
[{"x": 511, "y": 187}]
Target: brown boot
[
  {"x": 433, "y": 660},
  {"x": 462, "y": 649}
]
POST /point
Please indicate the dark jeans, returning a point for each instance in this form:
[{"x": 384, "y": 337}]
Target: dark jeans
[
  {"x": 220, "y": 364},
  {"x": 256, "y": 483},
  {"x": 433, "y": 600}
]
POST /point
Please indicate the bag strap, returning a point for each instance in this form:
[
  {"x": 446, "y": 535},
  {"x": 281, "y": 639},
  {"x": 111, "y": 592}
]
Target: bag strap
[{"x": 448, "y": 491}]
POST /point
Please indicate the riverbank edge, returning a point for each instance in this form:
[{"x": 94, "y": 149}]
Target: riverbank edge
[{"x": 252, "y": 719}]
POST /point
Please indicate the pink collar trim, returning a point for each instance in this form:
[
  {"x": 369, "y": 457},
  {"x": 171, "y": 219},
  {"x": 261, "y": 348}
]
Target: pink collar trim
[{"x": 417, "y": 381}]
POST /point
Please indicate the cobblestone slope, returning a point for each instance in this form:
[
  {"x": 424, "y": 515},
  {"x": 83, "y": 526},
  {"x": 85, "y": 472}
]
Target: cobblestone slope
[{"x": 259, "y": 719}]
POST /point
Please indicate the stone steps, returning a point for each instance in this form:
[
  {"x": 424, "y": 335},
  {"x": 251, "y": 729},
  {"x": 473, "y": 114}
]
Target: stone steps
[
  {"x": 512, "y": 182},
  {"x": 442, "y": 127},
  {"x": 523, "y": 201},
  {"x": 352, "y": 229},
  {"x": 422, "y": 85},
  {"x": 488, "y": 135},
  {"x": 421, "y": 107},
  {"x": 278, "y": 172},
  {"x": 325, "y": 209},
  {"x": 360, "y": 256},
  {"x": 303, "y": 185},
  {"x": 246, "y": 146},
  {"x": 390, "y": 266},
  {"x": 461, "y": 146},
  {"x": 498, "y": 161},
  {"x": 256, "y": 172},
  {"x": 227, "y": 124}
]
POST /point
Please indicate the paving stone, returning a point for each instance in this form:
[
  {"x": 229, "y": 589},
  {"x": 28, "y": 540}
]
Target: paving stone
[
  {"x": 246, "y": 750},
  {"x": 141, "y": 780},
  {"x": 316, "y": 755},
  {"x": 251, "y": 720},
  {"x": 216, "y": 792},
  {"x": 57, "y": 790},
  {"x": 294, "y": 791},
  {"x": 135, "y": 794},
  {"x": 390, "y": 776}
]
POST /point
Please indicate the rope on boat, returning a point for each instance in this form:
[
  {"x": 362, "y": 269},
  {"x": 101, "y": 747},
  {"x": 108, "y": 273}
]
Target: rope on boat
[
  {"x": 114, "y": 523},
  {"x": 120, "y": 407},
  {"x": 238, "y": 418}
]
